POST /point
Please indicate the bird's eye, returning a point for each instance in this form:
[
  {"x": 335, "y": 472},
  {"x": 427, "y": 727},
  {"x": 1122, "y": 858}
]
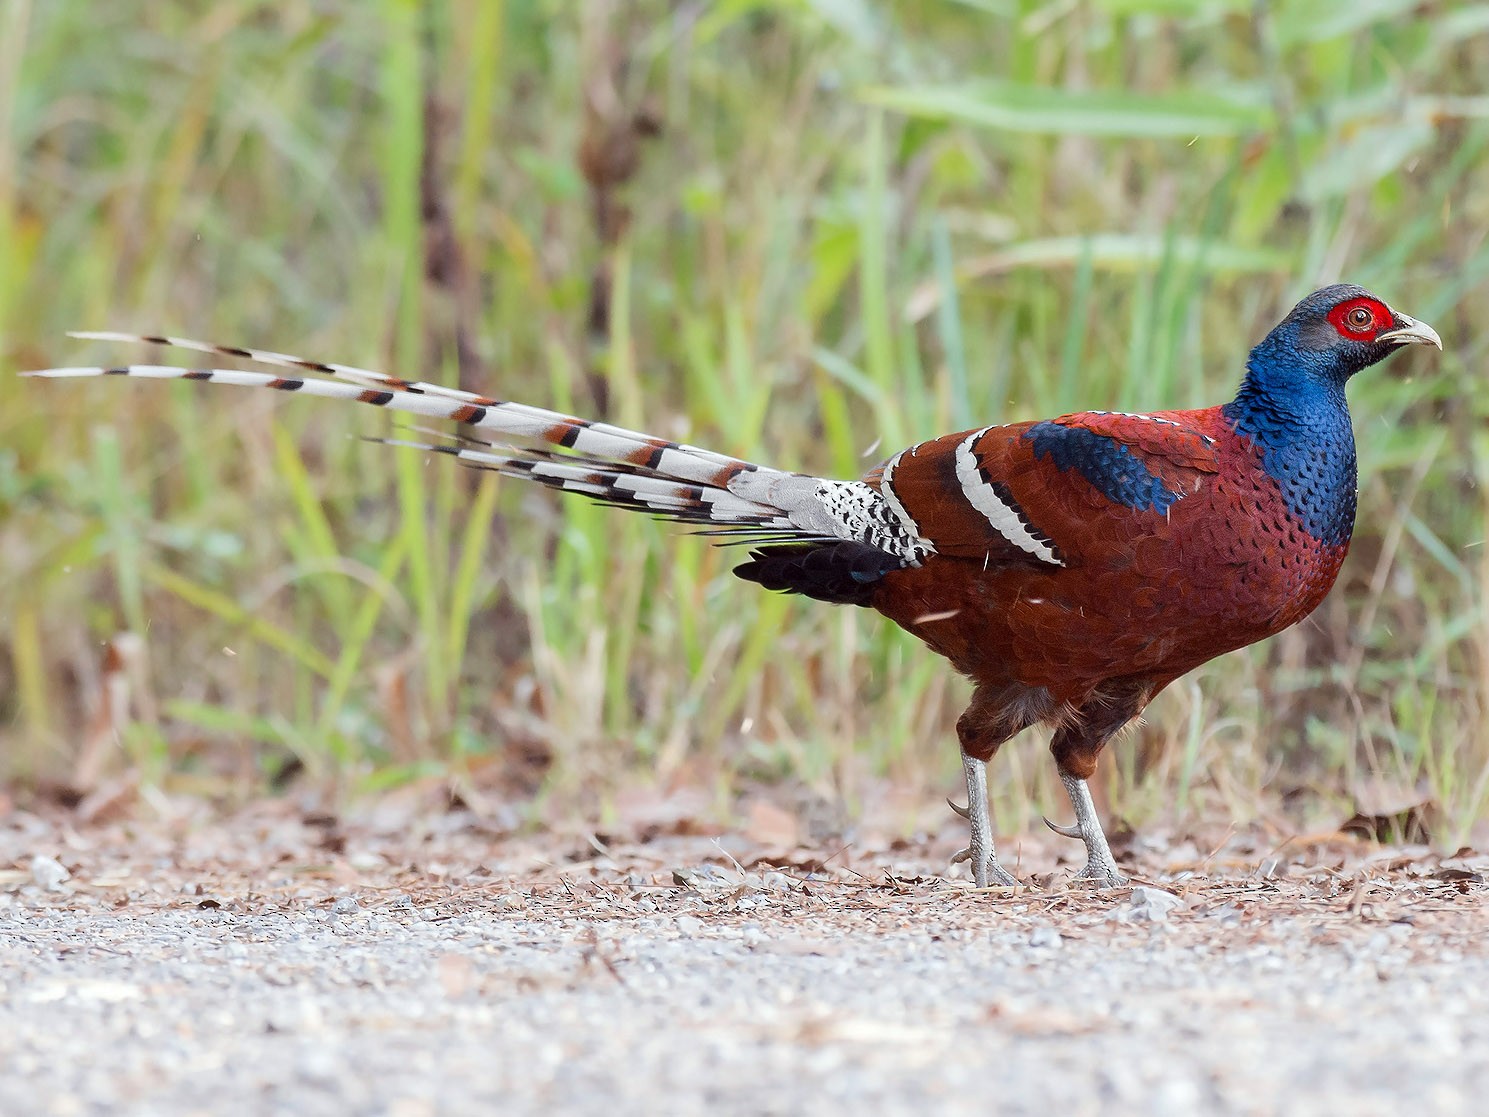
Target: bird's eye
[{"x": 1360, "y": 318}]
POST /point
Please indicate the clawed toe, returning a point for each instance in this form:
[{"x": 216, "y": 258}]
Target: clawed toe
[
  {"x": 1102, "y": 876},
  {"x": 996, "y": 875}
]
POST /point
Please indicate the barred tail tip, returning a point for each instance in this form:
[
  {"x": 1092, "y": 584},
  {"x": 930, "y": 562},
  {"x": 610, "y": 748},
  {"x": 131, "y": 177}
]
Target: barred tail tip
[{"x": 609, "y": 463}]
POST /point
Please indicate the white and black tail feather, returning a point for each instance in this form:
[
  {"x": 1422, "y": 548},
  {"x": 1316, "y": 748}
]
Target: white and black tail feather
[{"x": 828, "y": 539}]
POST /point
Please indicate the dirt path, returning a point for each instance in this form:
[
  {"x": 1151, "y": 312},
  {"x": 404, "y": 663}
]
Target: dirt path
[{"x": 297, "y": 966}]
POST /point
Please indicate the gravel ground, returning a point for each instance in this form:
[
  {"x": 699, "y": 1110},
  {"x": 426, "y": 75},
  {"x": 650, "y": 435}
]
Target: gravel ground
[{"x": 272, "y": 963}]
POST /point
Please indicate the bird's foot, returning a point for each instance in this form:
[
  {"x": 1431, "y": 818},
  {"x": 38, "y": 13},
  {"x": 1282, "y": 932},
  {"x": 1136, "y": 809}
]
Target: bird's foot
[
  {"x": 1101, "y": 874},
  {"x": 1101, "y": 867},
  {"x": 1100, "y": 870},
  {"x": 986, "y": 872}
]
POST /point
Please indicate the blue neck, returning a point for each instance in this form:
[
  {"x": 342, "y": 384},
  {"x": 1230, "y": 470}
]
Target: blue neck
[{"x": 1292, "y": 405}]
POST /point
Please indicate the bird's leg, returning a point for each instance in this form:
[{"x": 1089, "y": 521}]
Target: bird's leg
[
  {"x": 1076, "y": 745},
  {"x": 979, "y": 851},
  {"x": 1101, "y": 867}
]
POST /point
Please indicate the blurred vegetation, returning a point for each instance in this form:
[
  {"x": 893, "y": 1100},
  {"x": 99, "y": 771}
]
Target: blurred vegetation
[{"x": 802, "y": 231}]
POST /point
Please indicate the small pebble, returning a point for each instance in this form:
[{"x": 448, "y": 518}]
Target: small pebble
[
  {"x": 1152, "y": 904},
  {"x": 48, "y": 873}
]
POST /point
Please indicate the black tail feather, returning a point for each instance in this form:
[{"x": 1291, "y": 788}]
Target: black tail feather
[{"x": 842, "y": 572}]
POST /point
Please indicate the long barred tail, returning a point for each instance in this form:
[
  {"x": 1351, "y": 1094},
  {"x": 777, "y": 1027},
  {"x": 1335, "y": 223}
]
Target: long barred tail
[{"x": 854, "y": 534}]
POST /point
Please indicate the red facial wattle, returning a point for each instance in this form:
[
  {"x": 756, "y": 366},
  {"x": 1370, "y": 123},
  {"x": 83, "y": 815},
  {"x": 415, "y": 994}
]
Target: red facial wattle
[{"x": 1349, "y": 318}]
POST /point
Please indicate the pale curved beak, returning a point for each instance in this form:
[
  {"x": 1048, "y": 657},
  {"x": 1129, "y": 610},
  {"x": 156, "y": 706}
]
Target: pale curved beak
[{"x": 1408, "y": 331}]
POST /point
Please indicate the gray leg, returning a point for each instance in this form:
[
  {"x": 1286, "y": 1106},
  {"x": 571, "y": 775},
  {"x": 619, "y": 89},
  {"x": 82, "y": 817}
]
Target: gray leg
[
  {"x": 1101, "y": 867},
  {"x": 985, "y": 867}
]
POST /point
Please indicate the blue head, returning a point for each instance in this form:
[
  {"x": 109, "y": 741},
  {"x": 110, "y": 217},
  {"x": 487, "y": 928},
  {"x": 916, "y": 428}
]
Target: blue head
[
  {"x": 1292, "y": 399},
  {"x": 1328, "y": 337}
]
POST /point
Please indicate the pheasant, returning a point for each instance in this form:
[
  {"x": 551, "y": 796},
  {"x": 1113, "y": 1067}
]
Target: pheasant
[{"x": 1070, "y": 568}]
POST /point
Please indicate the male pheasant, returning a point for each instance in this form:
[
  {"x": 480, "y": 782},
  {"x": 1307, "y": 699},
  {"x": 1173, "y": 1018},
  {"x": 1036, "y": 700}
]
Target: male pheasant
[{"x": 1071, "y": 568}]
